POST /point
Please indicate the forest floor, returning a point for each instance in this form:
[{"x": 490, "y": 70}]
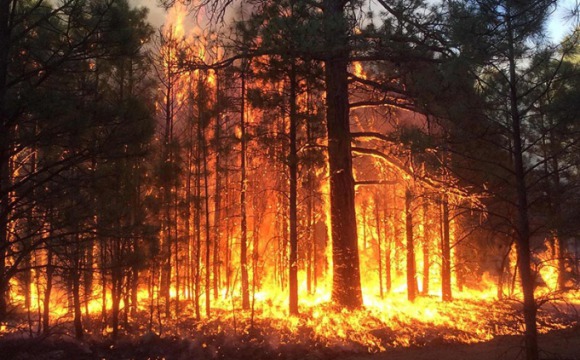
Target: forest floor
[
  {"x": 555, "y": 345},
  {"x": 495, "y": 335}
]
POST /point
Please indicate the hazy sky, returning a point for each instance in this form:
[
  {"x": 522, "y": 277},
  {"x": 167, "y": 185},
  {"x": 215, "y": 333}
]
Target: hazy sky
[{"x": 156, "y": 13}]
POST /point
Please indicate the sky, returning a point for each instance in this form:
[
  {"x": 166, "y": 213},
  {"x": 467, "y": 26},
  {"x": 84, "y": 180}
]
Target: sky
[{"x": 559, "y": 26}]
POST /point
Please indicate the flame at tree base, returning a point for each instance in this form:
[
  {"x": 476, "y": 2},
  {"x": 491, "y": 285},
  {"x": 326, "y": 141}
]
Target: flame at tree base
[{"x": 391, "y": 322}]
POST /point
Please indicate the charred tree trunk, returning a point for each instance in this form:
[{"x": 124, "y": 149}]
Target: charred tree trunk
[
  {"x": 523, "y": 225},
  {"x": 243, "y": 189},
  {"x": 310, "y": 264},
  {"x": 47, "y": 292},
  {"x": 556, "y": 196},
  {"x": 293, "y": 170},
  {"x": 411, "y": 265},
  {"x": 523, "y": 232},
  {"x": 197, "y": 225},
  {"x": 167, "y": 244},
  {"x": 116, "y": 289},
  {"x": 217, "y": 196},
  {"x": 134, "y": 291},
  {"x": 446, "y": 293},
  {"x": 88, "y": 275},
  {"x": 346, "y": 288},
  {"x": 176, "y": 243},
  {"x": 379, "y": 245},
  {"x": 388, "y": 255},
  {"x": 426, "y": 253},
  {"x": 202, "y": 143},
  {"x": 103, "y": 256},
  {"x": 189, "y": 268},
  {"x": 76, "y": 287}
]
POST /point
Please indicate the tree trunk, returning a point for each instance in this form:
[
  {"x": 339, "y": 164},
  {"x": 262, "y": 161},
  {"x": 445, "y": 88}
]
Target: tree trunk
[
  {"x": 379, "y": 246},
  {"x": 446, "y": 293},
  {"x": 243, "y": 189},
  {"x": 411, "y": 266},
  {"x": 189, "y": 268},
  {"x": 426, "y": 254},
  {"x": 217, "y": 196},
  {"x": 346, "y": 287},
  {"x": 197, "y": 225},
  {"x": 523, "y": 225},
  {"x": 293, "y": 170},
  {"x": 47, "y": 292},
  {"x": 116, "y": 286},
  {"x": 203, "y": 147},
  {"x": 77, "y": 320}
]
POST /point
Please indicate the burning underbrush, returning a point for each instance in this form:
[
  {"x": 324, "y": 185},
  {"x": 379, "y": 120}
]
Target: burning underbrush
[{"x": 319, "y": 332}]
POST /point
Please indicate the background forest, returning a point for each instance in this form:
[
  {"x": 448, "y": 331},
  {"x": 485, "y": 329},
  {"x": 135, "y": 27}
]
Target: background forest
[{"x": 327, "y": 165}]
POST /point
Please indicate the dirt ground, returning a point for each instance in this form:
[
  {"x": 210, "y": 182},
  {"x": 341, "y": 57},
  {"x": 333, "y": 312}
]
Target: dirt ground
[{"x": 556, "y": 345}]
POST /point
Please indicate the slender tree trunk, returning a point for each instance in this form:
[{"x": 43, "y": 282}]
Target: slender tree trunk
[
  {"x": 197, "y": 225},
  {"x": 116, "y": 285},
  {"x": 523, "y": 225},
  {"x": 76, "y": 283},
  {"x": 134, "y": 292},
  {"x": 88, "y": 275},
  {"x": 388, "y": 266},
  {"x": 243, "y": 189},
  {"x": 346, "y": 288},
  {"x": 202, "y": 143},
  {"x": 228, "y": 245},
  {"x": 293, "y": 170},
  {"x": 426, "y": 252},
  {"x": 103, "y": 256},
  {"x": 556, "y": 195},
  {"x": 411, "y": 265},
  {"x": 310, "y": 235},
  {"x": 176, "y": 243},
  {"x": 379, "y": 245},
  {"x": 310, "y": 265},
  {"x": 446, "y": 293},
  {"x": 217, "y": 196},
  {"x": 47, "y": 291},
  {"x": 167, "y": 252},
  {"x": 189, "y": 268}
]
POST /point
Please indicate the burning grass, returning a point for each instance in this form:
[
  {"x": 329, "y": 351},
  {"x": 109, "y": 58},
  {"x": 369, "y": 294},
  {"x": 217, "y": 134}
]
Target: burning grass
[{"x": 319, "y": 332}]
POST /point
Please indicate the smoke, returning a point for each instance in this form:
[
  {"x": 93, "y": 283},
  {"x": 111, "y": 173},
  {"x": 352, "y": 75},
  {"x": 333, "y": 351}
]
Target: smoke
[{"x": 157, "y": 14}]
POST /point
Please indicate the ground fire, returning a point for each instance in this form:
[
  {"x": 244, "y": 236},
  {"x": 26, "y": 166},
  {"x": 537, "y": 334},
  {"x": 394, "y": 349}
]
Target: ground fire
[{"x": 284, "y": 180}]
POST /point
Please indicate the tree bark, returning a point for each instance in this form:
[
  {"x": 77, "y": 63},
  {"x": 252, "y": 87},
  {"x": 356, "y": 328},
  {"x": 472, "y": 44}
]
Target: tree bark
[
  {"x": 522, "y": 221},
  {"x": 293, "y": 170},
  {"x": 446, "y": 292},
  {"x": 346, "y": 288},
  {"x": 379, "y": 245},
  {"x": 203, "y": 145},
  {"x": 426, "y": 253},
  {"x": 411, "y": 265},
  {"x": 217, "y": 196},
  {"x": 77, "y": 319},
  {"x": 243, "y": 189},
  {"x": 47, "y": 291}
]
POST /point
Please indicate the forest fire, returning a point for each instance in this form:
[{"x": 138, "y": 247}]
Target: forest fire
[{"x": 302, "y": 181}]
